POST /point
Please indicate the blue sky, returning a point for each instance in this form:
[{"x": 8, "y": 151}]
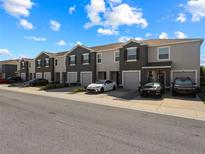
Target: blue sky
[{"x": 28, "y": 27}]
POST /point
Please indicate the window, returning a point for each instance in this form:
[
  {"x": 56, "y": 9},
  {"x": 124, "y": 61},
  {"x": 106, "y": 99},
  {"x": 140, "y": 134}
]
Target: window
[
  {"x": 23, "y": 64},
  {"x": 46, "y": 62},
  {"x": 72, "y": 60},
  {"x": 86, "y": 58},
  {"x": 163, "y": 53},
  {"x": 56, "y": 62},
  {"x": 132, "y": 54},
  {"x": 117, "y": 56},
  {"x": 29, "y": 64},
  {"x": 38, "y": 63},
  {"x": 99, "y": 58}
]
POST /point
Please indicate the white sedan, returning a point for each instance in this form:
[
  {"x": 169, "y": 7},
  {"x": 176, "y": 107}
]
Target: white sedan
[{"x": 101, "y": 86}]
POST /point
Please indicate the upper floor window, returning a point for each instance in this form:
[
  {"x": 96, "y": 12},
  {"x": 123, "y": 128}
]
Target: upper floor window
[
  {"x": 117, "y": 56},
  {"x": 22, "y": 64},
  {"x": 46, "y": 62},
  {"x": 99, "y": 58},
  {"x": 164, "y": 53},
  {"x": 56, "y": 62},
  {"x": 29, "y": 64},
  {"x": 132, "y": 54},
  {"x": 86, "y": 58},
  {"x": 39, "y": 63},
  {"x": 72, "y": 60}
]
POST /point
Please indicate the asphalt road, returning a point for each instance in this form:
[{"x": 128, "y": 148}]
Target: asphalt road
[{"x": 31, "y": 124}]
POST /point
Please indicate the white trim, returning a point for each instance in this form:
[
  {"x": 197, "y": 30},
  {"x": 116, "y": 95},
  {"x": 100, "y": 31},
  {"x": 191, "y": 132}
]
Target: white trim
[
  {"x": 71, "y": 50},
  {"x": 131, "y": 60},
  {"x": 168, "y": 53},
  {"x": 43, "y": 53},
  {"x": 97, "y": 58},
  {"x": 81, "y": 77},
  {"x": 150, "y": 67},
  {"x": 137, "y": 71},
  {"x": 195, "y": 71},
  {"x": 115, "y": 56},
  {"x": 72, "y": 73}
]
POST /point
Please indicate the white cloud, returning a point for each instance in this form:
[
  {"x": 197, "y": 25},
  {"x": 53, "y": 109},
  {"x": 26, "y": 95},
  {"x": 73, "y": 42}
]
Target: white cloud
[
  {"x": 196, "y": 8},
  {"x": 104, "y": 31},
  {"x": 54, "y": 25},
  {"x": 34, "y": 38},
  {"x": 25, "y": 24},
  {"x": 71, "y": 9},
  {"x": 181, "y": 18},
  {"x": 5, "y": 52},
  {"x": 111, "y": 17},
  {"x": 163, "y": 35},
  {"x": 126, "y": 38},
  {"x": 180, "y": 35},
  {"x": 78, "y": 43},
  {"x": 61, "y": 43},
  {"x": 148, "y": 35},
  {"x": 17, "y": 8}
]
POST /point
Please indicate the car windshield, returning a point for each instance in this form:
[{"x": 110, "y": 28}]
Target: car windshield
[
  {"x": 151, "y": 84},
  {"x": 183, "y": 82},
  {"x": 100, "y": 82}
]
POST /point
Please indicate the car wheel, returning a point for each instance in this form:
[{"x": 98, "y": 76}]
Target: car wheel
[
  {"x": 114, "y": 88},
  {"x": 101, "y": 90}
]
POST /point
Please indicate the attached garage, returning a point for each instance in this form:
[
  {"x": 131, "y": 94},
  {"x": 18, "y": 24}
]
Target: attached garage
[
  {"x": 39, "y": 76},
  {"x": 184, "y": 73},
  {"x": 47, "y": 76},
  {"x": 131, "y": 79},
  {"x": 86, "y": 78},
  {"x": 72, "y": 77},
  {"x": 23, "y": 76}
]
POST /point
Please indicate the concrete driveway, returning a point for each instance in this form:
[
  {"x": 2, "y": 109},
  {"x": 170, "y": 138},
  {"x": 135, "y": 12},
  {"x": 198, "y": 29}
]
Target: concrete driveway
[{"x": 186, "y": 107}]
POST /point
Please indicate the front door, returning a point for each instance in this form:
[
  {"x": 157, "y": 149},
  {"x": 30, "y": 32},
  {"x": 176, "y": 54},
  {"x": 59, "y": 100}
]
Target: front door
[{"x": 162, "y": 77}]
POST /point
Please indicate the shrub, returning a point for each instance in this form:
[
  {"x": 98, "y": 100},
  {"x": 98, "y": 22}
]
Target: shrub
[
  {"x": 77, "y": 90},
  {"x": 54, "y": 86}
]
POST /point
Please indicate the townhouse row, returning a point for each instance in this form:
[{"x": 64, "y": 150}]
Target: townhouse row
[{"x": 126, "y": 63}]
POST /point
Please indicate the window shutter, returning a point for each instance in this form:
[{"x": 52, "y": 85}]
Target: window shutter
[
  {"x": 138, "y": 53},
  {"x": 81, "y": 59},
  {"x": 68, "y": 60},
  {"x": 125, "y": 54},
  {"x": 89, "y": 58},
  {"x": 76, "y": 59},
  {"x": 49, "y": 62}
]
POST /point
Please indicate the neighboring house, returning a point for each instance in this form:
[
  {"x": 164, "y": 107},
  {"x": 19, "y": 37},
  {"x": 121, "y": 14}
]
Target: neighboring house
[
  {"x": 8, "y": 68},
  {"x": 44, "y": 66},
  {"x": 31, "y": 69},
  {"x": 81, "y": 65},
  {"x": 107, "y": 62},
  {"x": 24, "y": 69},
  {"x": 60, "y": 67}
]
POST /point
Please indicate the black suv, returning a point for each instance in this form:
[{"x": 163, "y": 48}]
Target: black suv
[
  {"x": 15, "y": 79},
  {"x": 183, "y": 86}
]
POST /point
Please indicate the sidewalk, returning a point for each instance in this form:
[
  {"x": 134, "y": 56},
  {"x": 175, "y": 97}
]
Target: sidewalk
[{"x": 192, "y": 108}]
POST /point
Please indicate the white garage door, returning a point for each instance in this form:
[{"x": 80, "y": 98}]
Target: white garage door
[
  {"x": 178, "y": 74},
  {"x": 23, "y": 76},
  {"x": 39, "y": 76},
  {"x": 131, "y": 79},
  {"x": 72, "y": 77},
  {"x": 86, "y": 78},
  {"x": 47, "y": 76}
]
